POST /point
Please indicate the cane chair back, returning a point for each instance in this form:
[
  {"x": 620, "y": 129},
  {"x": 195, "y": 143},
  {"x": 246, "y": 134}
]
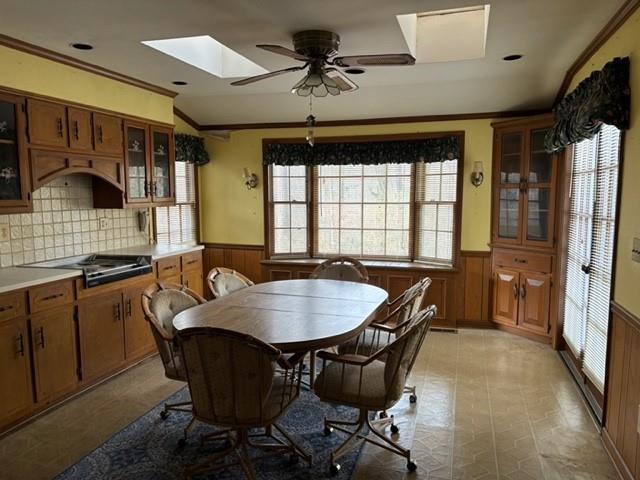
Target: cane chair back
[
  {"x": 161, "y": 302},
  {"x": 375, "y": 382},
  {"x": 422, "y": 286},
  {"x": 341, "y": 268},
  {"x": 223, "y": 281},
  {"x": 232, "y": 378}
]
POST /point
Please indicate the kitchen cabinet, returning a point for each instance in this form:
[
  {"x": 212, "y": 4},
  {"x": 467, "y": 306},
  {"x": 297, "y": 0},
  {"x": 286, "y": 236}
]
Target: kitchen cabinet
[
  {"x": 107, "y": 132},
  {"x": 137, "y": 173},
  {"x": 47, "y": 123},
  {"x": 53, "y": 343},
  {"x": 79, "y": 128},
  {"x": 16, "y": 395},
  {"x": 168, "y": 270},
  {"x": 137, "y": 334},
  {"x": 102, "y": 348},
  {"x": 506, "y": 292},
  {"x": 15, "y": 196},
  {"x": 191, "y": 267},
  {"x": 162, "y": 166}
]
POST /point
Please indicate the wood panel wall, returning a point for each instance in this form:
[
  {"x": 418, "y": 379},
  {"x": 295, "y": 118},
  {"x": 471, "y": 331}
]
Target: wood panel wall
[
  {"x": 620, "y": 433},
  {"x": 462, "y": 295}
]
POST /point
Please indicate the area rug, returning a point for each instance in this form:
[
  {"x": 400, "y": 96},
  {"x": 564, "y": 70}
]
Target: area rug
[{"x": 147, "y": 448}]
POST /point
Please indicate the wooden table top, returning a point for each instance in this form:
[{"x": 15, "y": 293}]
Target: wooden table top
[{"x": 292, "y": 315}]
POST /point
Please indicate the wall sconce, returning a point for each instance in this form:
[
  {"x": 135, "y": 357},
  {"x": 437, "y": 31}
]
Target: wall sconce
[
  {"x": 477, "y": 176},
  {"x": 250, "y": 179}
]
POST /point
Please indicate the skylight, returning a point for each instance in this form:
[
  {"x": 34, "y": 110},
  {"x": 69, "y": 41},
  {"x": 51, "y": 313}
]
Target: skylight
[
  {"x": 446, "y": 35},
  {"x": 208, "y": 54}
]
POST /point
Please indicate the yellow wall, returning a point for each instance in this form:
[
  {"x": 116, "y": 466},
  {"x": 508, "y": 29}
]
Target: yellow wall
[
  {"x": 23, "y": 71},
  {"x": 183, "y": 127},
  {"x": 625, "y": 42},
  {"x": 232, "y": 214}
]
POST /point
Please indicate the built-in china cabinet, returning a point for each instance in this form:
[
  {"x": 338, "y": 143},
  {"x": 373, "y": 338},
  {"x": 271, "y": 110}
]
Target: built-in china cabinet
[
  {"x": 14, "y": 166},
  {"x": 523, "y": 238}
]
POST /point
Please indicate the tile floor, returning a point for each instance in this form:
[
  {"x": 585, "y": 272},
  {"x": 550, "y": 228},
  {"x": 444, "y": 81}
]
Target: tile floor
[{"x": 491, "y": 406}]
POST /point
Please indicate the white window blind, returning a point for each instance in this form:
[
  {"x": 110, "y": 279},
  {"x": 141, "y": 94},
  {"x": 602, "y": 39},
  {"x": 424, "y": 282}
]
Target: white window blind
[
  {"x": 436, "y": 195},
  {"x": 289, "y": 209},
  {"x": 363, "y": 210},
  {"x": 593, "y": 197},
  {"x": 178, "y": 223}
]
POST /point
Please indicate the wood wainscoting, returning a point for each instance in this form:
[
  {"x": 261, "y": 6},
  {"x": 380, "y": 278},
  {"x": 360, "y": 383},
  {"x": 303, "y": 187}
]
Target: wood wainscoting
[
  {"x": 620, "y": 432},
  {"x": 462, "y": 295}
]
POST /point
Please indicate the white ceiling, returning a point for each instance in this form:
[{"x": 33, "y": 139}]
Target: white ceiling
[{"x": 549, "y": 33}]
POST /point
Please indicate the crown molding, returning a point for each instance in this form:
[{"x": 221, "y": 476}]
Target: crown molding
[
  {"x": 16, "y": 44},
  {"x": 614, "y": 23},
  {"x": 180, "y": 114}
]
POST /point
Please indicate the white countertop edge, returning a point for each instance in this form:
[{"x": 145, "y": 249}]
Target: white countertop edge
[{"x": 48, "y": 278}]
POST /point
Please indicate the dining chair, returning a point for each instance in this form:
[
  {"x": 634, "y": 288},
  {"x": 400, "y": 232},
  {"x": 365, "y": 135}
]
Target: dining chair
[
  {"x": 223, "y": 281},
  {"x": 370, "y": 384},
  {"x": 341, "y": 268},
  {"x": 234, "y": 385},
  {"x": 161, "y": 302}
]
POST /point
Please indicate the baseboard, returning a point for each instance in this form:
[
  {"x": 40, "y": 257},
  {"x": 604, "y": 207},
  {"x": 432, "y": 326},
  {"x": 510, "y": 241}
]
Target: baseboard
[
  {"x": 475, "y": 324},
  {"x": 616, "y": 457},
  {"x": 524, "y": 333}
]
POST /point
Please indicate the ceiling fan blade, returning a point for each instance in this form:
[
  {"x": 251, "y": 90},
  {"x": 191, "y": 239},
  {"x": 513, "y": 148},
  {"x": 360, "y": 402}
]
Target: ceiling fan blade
[
  {"x": 287, "y": 52},
  {"x": 344, "y": 83},
  {"x": 257, "y": 78},
  {"x": 387, "y": 60}
]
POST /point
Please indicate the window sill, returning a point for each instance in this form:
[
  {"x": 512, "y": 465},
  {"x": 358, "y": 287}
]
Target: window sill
[{"x": 371, "y": 264}]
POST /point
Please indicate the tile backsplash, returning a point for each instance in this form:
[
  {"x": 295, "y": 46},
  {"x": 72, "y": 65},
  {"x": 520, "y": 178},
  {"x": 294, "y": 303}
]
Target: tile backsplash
[{"x": 64, "y": 223}]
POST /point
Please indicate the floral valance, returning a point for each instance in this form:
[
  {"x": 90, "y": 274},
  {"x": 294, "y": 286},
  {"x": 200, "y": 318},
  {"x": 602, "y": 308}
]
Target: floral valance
[
  {"x": 434, "y": 149},
  {"x": 603, "y": 97},
  {"x": 190, "y": 149}
]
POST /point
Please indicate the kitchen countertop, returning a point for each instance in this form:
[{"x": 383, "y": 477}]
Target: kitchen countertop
[{"x": 15, "y": 278}]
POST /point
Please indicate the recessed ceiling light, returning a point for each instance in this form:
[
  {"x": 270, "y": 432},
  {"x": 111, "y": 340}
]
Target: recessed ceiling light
[
  {"x": 208, "y": 54},
  {"x": 511, "y": 58},
  {"x": 354, "y": 70},
  {"x": 82, "y": 46},
  {"x": 179, "y": 82}
]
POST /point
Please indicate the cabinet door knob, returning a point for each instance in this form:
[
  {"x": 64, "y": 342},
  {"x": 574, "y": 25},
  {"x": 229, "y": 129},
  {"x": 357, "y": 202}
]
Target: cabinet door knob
[
  {"x": 523, "y": 291},
  {"x": 20, "y": 345},
  {"x": 515, "y": 291},
  {"x": 76, "y": 130},
  {"x": 60, "y": 133},
  {"x": 41, "y": 335},
  {"x": 116, "y": 313},
  {"x": 100, "y": 133},
  {"x": 129, "y": 307}
]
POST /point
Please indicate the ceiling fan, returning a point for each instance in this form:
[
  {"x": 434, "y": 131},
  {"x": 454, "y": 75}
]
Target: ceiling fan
[{"x": 317, "y": 49}]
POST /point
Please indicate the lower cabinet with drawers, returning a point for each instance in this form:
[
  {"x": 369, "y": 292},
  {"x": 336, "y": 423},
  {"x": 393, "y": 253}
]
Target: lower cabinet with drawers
[
  {"x": 59, "y": 338},
  {"x": 522, "y": 291}
]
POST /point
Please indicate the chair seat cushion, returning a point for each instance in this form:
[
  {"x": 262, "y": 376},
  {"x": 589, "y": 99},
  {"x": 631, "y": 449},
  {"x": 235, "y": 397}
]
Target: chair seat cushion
[
  {"x": 166, "y": 304},
  {"x": 347, "y": 388}
]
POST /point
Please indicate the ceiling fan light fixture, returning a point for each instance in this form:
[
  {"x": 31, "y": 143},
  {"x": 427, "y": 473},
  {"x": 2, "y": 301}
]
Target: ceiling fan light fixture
[{"x": 318, "y": 84}]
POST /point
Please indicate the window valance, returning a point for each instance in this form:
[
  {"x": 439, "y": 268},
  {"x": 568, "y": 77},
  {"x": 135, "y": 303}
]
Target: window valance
[
  {"x": 603, "y": 97},
  {"x": 431, "y": 149},
  {"x": 190, "y": 149}
]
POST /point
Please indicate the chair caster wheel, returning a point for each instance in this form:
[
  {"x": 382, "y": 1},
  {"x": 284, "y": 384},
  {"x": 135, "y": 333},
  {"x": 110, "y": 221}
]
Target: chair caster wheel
[
  {"x": 383, "y": 414},
  {"x": 327, "y": 431},
  {"x": 394, "y": 429},
  {"x": 181, "y": 443},
  {"x": 164, "y": 414},
  {"x": 334, "y": 469},
  {"x": 411, "y": 466},
  {"x": 413, "y": 398}
]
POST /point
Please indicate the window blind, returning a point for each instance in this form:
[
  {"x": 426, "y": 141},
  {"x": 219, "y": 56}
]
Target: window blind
[
  {"x": 591, "y": 238},
  {"x": 288, "y": 197},
  {"x": 178, "y": 223}
]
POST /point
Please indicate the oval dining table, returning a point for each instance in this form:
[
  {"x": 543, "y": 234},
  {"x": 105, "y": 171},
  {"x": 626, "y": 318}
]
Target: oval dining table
[{"x": 292, "y": 315}]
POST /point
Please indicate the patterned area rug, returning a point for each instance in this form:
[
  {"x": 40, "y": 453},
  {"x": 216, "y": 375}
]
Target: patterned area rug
[{"x": 147, "y": 448}]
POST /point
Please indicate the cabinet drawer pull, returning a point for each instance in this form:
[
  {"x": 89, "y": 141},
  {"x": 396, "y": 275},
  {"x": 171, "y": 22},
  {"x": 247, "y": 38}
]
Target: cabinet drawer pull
[
  {"x": 170, "y": 267},
  {"x": 59, "y": 122},
  {"x": 41, "y": 335},
  {"x": 4, "y": 308},
  {"x": 191, "y": 262},
  {"x": 53, "y": 297},
  {"x": 523, "y": 291},
  {"x": 20, "y": 345},
  {"x": 524, "y": 261},
  {"x": 515, "y": 291}
]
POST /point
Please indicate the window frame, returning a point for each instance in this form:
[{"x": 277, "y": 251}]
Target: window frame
[{"x": 413, "y": 220}]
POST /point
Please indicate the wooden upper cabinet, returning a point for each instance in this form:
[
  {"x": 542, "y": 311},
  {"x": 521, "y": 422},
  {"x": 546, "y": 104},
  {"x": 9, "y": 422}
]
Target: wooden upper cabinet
[
  {"x": 162, "y": 166},
  {"x": 524, "y": 185},
  {"x": 47, "y": 123},
  {"x": 107, "y": 134},
  {"x": 80, "y": 131},
  {"x": 15, "y": 194},
  {"x": 16, "y": 397},
  {"x": 535, "y": 295},
  {"x": 137, "y": 163},
  {"x": 53, "y": 338}
]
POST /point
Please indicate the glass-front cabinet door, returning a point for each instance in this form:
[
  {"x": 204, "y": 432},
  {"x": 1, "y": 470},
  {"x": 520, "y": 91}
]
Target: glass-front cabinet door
[
  {"x": 540, "y": 176},
  {"x": 137, "y": 163},
  {"x": 14, "y": 189},
  {"x": 508, "y": 187},
  {"x": 162, "y": 158}
]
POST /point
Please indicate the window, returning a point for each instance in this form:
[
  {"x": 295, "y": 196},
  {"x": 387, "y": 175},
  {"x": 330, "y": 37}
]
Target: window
[
  {"x": 178, "y": 224},
  {"x": 399, "y": 211},
  {"x": 591, "y": 241}
]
